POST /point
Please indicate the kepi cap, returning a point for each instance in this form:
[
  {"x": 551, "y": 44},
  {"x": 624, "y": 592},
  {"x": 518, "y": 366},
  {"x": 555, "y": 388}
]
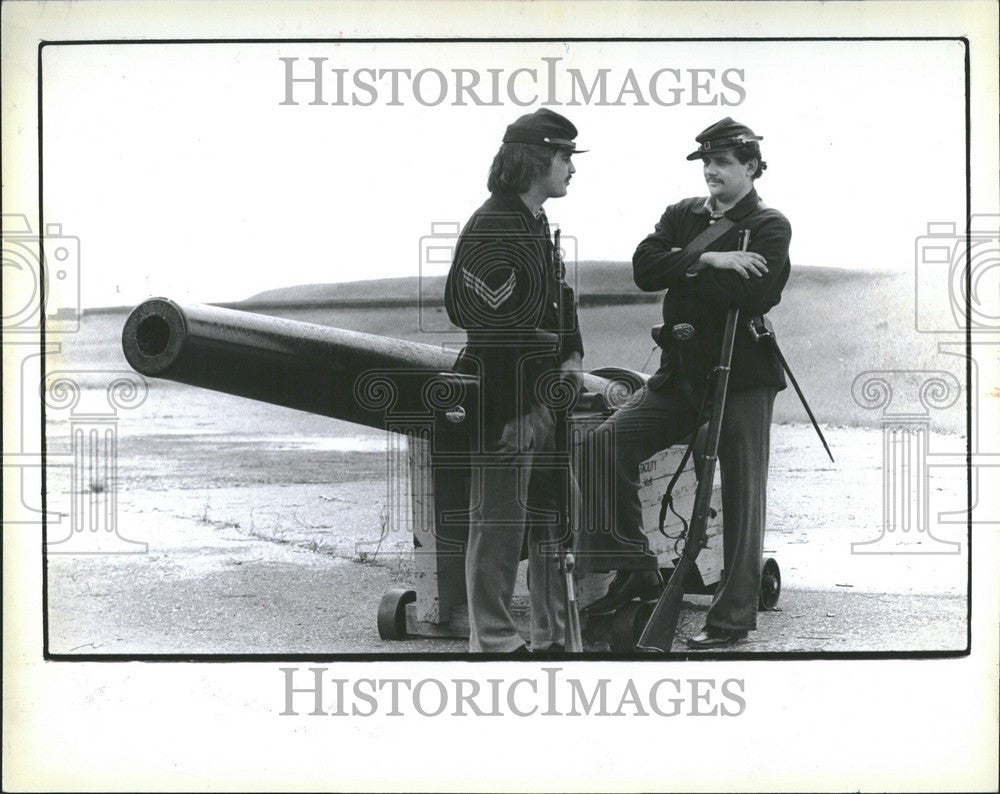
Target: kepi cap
[
  {"x": 544, "y": 127},
  {"x": 723, "y": 136}
]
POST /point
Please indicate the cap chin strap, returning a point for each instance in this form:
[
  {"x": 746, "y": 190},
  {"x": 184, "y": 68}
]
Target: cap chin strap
[
  {"x": 739, "y": 140},
  {"x": 556, "y": 143}
]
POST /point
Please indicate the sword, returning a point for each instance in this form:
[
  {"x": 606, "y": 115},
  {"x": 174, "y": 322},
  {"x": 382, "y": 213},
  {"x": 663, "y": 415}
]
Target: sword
[
  {"x": 765, "y": 331},
  {"x": 573, "y": 637}
]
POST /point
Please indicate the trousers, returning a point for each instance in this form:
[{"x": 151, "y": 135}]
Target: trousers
[
  {"x": 513, "y": 493},
  {"x": 609, "y": 533}
]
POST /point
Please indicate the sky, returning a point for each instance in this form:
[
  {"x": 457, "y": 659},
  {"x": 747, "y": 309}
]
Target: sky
[{"x": 184, "y": 172}]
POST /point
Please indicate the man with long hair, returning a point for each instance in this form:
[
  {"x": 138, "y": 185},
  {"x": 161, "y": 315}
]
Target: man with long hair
[{"x": 507, "y": 289}]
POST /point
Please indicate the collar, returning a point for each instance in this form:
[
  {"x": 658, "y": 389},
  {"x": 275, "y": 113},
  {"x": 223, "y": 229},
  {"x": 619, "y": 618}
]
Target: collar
[
  {"x": 513, "y": 201},
  {"x": 538, "y": 214},
  {"x": 740, "y": 210},
  {"x": 709, "y": 207}
]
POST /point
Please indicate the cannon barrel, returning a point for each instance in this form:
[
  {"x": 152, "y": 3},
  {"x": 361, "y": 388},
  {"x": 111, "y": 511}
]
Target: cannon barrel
[
  {"x": 326, "y": 371},
  {"x": 357, "y": 377}
]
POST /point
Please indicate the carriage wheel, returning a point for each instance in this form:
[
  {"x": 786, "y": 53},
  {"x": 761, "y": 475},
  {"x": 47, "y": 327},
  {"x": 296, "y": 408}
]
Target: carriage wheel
[
  {"x": 392, "y": 613},
  {"x": 627, "y": 625},
  {"x": 770, "y": 585}
]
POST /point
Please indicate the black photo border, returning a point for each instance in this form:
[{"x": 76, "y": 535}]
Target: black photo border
[{"x": 465, "y": 657}]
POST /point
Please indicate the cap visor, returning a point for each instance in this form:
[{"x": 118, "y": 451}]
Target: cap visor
[{"x": 699, "y": 154}]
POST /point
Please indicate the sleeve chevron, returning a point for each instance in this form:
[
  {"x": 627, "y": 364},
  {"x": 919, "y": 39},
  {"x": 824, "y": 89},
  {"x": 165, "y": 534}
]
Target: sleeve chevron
[{"x": 493, "y": 298}]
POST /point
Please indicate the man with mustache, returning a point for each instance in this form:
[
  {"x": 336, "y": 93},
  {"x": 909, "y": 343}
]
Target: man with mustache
[
  {"x": 507, "y": 289},
  {"x": 703, "y": 277}
]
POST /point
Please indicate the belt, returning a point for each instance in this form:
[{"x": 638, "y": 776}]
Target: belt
[{"x": 761, "y": 330}]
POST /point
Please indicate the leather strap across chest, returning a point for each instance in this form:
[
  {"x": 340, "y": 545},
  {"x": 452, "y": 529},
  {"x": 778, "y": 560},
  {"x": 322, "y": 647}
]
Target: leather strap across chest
[{"x": 718, "y": 229}]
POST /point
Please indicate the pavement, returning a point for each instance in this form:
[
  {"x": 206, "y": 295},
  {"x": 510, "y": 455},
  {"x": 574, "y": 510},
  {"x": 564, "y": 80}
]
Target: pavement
[
  {"x": 204, "y": 589},
  {"x": 253, "y": 544}
]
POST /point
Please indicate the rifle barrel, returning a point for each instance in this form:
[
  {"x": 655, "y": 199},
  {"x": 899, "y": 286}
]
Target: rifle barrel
[{"x": 658, "y": 635}]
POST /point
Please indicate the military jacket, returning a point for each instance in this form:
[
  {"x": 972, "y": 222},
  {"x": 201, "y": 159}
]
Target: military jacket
[
  {"x": 702, "y": 300},
  {"x": 507, "y": 290}
]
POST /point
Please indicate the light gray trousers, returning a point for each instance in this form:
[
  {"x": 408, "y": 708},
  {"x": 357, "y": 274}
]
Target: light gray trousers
[{"x": 510, "y": 494}]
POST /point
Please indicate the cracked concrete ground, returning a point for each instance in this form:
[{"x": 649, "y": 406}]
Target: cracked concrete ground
[{"x": 275, "y": 537}]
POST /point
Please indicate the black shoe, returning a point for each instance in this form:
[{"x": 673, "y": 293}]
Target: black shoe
[
  {"x": 555, "y": 649},
  {"x": 626, "y": 586},
  {"x": 521, "y": 650},
  {"x": 621, "y": 577},
  {"x": 712, "y": 637}
]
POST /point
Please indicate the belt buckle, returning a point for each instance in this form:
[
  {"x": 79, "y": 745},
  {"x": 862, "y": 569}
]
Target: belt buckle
[{"x": 682, "y": 331}]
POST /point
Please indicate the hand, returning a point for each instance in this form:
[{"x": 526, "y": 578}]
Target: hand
[
  {"x": 572, "y": 371},
  {"x": 746, "y": 263}
]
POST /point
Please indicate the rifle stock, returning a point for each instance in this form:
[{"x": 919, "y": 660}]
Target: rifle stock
[{"x": 658, "y": 635}]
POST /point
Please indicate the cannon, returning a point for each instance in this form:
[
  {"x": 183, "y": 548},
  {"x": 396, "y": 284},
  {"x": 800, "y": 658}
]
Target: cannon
[
  {"x": 357, "y": 377},
  {"x": 409, "y": 389}
]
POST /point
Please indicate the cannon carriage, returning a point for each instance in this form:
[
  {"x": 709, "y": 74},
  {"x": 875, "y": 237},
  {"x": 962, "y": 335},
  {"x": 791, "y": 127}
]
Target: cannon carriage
[{"x": 410, "y": 390}]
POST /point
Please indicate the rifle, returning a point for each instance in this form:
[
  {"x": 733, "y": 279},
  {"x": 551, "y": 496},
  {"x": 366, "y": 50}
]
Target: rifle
[
  {"x": 658, "y": 635},
  {"x": 566, "y": 562},
  {"x": 564, "y": 557}
]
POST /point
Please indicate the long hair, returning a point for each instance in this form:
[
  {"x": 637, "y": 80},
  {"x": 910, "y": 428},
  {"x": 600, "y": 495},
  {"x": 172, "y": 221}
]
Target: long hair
[
  {"x": 516, "y": 165},
  {"x": 751, "y": 151}
]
